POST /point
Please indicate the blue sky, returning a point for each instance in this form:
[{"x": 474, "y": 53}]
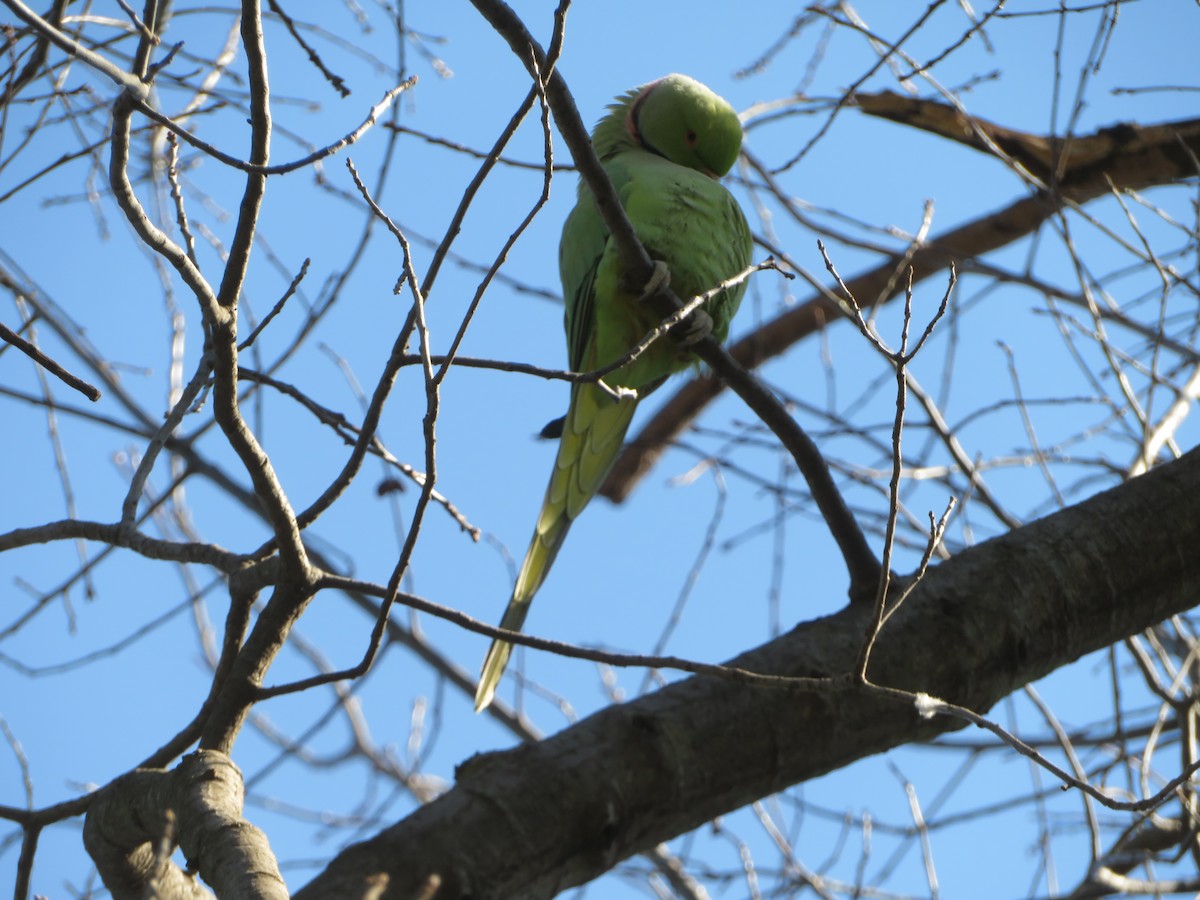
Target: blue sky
[{"x": 623, "y": 566}]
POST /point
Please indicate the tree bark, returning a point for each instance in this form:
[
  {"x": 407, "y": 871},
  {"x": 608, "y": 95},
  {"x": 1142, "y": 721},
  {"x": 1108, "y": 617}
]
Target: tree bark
[
  {"x": 532, "y": 821},
  {"x": 134, "y": 825}
]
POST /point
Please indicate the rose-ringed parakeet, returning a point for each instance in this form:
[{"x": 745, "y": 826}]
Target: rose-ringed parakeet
[{"x": 664, "y": 145}]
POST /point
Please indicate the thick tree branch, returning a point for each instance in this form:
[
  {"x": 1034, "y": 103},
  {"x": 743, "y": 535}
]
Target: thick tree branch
[
  {"x": 1133, "y": 156},
  {"x": 535, "y": 820},
  {"x": 134, "y": 825}
]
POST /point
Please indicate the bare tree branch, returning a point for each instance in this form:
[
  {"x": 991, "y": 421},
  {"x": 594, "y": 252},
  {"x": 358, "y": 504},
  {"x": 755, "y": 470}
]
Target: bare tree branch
[{"x": 133, "y": 826}]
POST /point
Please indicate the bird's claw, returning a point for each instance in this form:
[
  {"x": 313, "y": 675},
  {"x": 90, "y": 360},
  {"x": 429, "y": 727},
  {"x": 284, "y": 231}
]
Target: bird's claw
[
  {"x": 695, "y": 328},
  {"x": 659, "y": 279}
]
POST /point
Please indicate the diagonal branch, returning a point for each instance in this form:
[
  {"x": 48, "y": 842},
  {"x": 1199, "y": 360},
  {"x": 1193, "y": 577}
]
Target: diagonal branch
[
  {"x": 1133, "y": 156},
  {"x": 863, "y": 567},
  {"x": 50, "y": 365},
  {"x": 131, "y": 84}
]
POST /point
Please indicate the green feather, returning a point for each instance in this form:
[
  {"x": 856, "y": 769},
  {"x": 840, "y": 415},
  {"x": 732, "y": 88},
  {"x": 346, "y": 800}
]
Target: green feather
[{"x": 664, "y": 145}]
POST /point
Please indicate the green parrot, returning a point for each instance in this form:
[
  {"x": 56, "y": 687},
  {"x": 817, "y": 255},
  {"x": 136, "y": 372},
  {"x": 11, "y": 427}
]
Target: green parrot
[{"x": 664, "y": 145}]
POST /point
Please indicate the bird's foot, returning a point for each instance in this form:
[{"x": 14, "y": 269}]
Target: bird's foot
[
  {"x": 695, "y": 328},
  {"x": 659, "y": 279}
]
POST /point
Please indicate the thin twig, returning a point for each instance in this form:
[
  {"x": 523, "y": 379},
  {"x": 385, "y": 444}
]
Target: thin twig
[
  {"x": 928, "y": 707},
  {"x": 277, "y": 308},
  {"x": 573, "y": 651},
  {"x": 11, "y": 337},
  {"x": 338, "y": 83}
]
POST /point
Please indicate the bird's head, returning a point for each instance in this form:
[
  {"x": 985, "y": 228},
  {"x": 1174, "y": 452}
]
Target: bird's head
[{"x": 679, "y": 118}]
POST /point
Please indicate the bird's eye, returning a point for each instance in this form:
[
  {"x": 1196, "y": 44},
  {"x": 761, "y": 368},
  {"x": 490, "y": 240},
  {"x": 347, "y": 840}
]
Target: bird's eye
[{"x": 691, "y": 138}]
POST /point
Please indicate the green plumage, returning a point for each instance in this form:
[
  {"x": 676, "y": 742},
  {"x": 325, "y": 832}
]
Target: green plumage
[{"x": 664, "y": 145}]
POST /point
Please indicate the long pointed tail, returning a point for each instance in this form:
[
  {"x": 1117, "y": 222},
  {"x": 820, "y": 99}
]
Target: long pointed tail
[
  {"x": 592, "y": 434},
  {"x": 538, "y": 558}
]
